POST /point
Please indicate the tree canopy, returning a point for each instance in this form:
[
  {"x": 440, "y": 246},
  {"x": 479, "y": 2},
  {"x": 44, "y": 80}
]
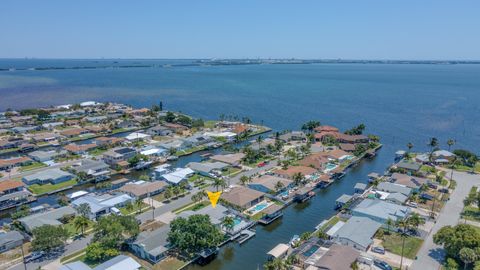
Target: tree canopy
[
  {"x": 194, "y": 234},
  {"x": 48, "y": 237},
  {"x": 455, "y": 238}
]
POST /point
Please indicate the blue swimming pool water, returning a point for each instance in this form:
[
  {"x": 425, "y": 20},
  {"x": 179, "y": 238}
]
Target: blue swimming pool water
[
  {"x": 331, "y": 166},
  {"x": 310, "y": 251},
  {"x": 237, "y": 221},
  {"x": 260, "y": 206}
]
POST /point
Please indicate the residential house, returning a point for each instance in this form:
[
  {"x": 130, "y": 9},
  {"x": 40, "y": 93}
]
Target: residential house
[
  {"x": 6, "y": 164},
  {"x": 152, "y": 245},
  {"x": 137, "y": 136},
  {"x": 342, "y": 200},
  {"x": 74, "y": 132},
  {"x": 50, "y": 217},
  {"x": 10, "y": 240},
  {"x": 79, "y": 149},
  {"x": 160, "y": 130},
  {"x": 347, "y": 147},
  {"x": 209, "y": 169},
  {"x": 102, "y": 204},
  {"x": 143, "y": 189},
  {"x": 243, "y": 197},
  {"x": 291, "y": 171},
  {"x": 360, "y": 187},
  {"x": 198, "y": 139},
  {"x": 293, "y": 136},
  {"x": 380, "y": 211},
  {"x": 317, "y": 161},
  {"x": 396, "y": 197},
  {"x": 394, "y": 188},
  {"x": 443, "y": 156},
  {"x": 160, "y": 170},
  {"x": 95, "y": 170},
  {"x": 122, "y": 262},
  {"x": 43, "y": 156},
  {"x": 409, "y": 166},
  {"x": 108, "y": 141},
  {"x": 270, "y": 184},
  {"x": 337, "y": 257},
  {"x": 326, "y": 128},
  {"x": 232, "y": 159},
  {"x": 115, "y": 155},
  {"x": 357, "y": 232},
  {"x": 177, "y": 176},
  {"x": 412, "y": 182},
  {"x": 12, "y": 193},
  {"x": 52, "y": 176},
  {"x": 175, "y": 127}
]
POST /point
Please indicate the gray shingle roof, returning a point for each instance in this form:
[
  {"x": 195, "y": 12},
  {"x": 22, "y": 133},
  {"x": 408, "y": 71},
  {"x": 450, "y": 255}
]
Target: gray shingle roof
[{"x": 359, "y": 230}]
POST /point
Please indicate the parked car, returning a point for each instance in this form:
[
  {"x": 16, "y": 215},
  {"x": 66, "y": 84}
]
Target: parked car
[
  {"x": 444, "y": 190},
  {"x": 413, "y": 204},
  {"x": 34, "y": 256},
  {"x": 379, "y": 250},
  {"x": 382, "y": 265}
]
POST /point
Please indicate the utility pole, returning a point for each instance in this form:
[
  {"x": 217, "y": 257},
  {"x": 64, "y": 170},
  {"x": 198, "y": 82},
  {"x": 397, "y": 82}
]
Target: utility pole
[{"x": 23, "y": 257}]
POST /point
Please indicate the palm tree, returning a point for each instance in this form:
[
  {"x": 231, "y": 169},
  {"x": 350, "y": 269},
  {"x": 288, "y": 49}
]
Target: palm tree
[
  {"x": 298, "y": 178},
  {"x": 244, "y": 180},
  {"x": 433, "y": 143},
  {"x": 80, "y": 223},
  {"x": 389, "y": 224},
  {"x": 219, "y": 182},
  {"x": 229, "y": 223},
  {"x": 450, "y": 142},
  {"x": 176, "y": 190},
  {"x": 279, "y": 186},
  {"x": 403, "y": 225},
  {"x": 129, "y": 207},
  {"x": 167, "y": 194},
  {"x": 84, "y": 209},
  {"x": 139, "y": 204},
  {"x": 415, "y": 220}
]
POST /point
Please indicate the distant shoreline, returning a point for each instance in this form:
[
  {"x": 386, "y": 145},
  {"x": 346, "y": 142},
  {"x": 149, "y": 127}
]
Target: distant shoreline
[{"x": 233, "y": 62}]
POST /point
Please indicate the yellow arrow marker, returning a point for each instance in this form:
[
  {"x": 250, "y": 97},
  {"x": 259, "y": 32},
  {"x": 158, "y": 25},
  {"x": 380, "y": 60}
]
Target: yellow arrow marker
[{"x": 213, "y": 197}]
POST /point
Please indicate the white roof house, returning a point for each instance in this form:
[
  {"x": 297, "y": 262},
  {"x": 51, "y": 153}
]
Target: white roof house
[
  {"x": 178, "y": 175},
  {"x": 134, "y": 136},
  {"x": 100, "y": 205},
  {"x": 122, "y": 262}
]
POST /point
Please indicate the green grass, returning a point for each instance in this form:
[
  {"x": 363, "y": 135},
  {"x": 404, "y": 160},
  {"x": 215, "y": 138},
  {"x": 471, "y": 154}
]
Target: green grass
[
  {"x": 119, "y": 130},
  {"x": 471, "y": 213},
  {"x": 9, "y": 150},
  {"x": 393, "y": 243},
  {"x": 97, "y": 151},
  {"x": 72, "y": 231},
  {"x": 210, "y": 124},
  {"x": 230, "y": 171},
  {"x": 466, "y": 168},
  {"x": 70, "y": 256},
  {"x": 41, "y": 189},
  {"x": 190, "y": 150},
  {"x": 330, "y": 223},
  {"x": 169, "y": 263},
  {"x": 195, "y": 207},
  {"x": 134, "y": 210},
  {"x": 426, "y": 168},
  {"x": 33, "y": 166}
]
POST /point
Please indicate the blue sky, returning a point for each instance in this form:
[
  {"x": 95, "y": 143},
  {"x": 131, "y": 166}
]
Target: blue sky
[{"x": 366, "y": 29}]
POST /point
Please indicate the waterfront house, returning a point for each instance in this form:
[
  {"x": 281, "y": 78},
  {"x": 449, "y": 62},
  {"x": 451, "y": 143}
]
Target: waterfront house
[
  {"x": 160, "y": 170},
  {"x": 198, "y": 139},
  {"x": 380, "y": 211},
  {"x": 347, "y": 147},
  {"x": 177, "y": 176},
  {"x": 357, "y": 232},
  {"x": 50, "y": 217},
  {"x": 293, "y": 136},
  {"x": 143, "y": 189},
  {"x": 44, "y": 137},
  {"x": 243, "y": 197},
  {"x": 102, "y": 204},
  {"x": 227, "y": 135},
  {"x": 268, "y": 184},
  {"x": 154, "y": 152},
  {"x": 74, "y": 132},
  {"x": 338, "y": 155},
  {"x": 96, "y": 119},
  {"x": 232, "y": 159},
  {"x": 337, "y": 257},
  {"x": 160, "y": 130},
  {"x": 175, "y": 127},
  {"x": 152, "y": 245},
  {"x": 279, "y": 251},
  {"x": 113, "y": 156},
  {"x": 10, "y": 240},
  {"x": 116, "y": 184},
  {"x": 108, "y": 141},
  {"x": 342, "y": 200},
  {"x": 6, "y": 164},
  {"x": 317, "y": 161},
  {"x": 326, "y": 128},
  {"x": 43, "y": 156},
  {"x": 291, "y": 171},
  {"x": 79, "y": 149},
  {"x": 394, "y": 188},
  {"x": 209, "y": 169},
  {"x": 13, "y": 193},
  {"x": 137, "y": 136},
  {"x": 412, "y": 182},
  {"x": 122, "y": 262},
  {"x": 443, "y": 156},
  {"x": 360, "y": 188},
  {"x": 271, "y": 213},
  {"x": 52, "y": 176},
  {"x": 396, "y": 197},
  {"x": 409, "y": 166},
  {"x": 95, "y": 170}
]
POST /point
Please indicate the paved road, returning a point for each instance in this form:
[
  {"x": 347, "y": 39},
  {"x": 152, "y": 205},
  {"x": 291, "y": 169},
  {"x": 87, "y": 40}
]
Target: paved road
[
  {"x": 69, "y": 249},
  {"x": 430, "y": 255}
]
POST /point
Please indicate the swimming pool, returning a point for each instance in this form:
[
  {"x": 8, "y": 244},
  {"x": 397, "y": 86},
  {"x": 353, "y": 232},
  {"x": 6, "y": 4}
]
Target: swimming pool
[
  {"x": 310, "y": 251},
  {"x": 331, "y": 166},
  {"x": 237, "y": 221},
  {"x": 260, "y": 206}
]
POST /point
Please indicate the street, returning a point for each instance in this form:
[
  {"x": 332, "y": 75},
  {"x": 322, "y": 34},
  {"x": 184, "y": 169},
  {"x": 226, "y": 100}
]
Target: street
[{"x": 430, "y": 256}]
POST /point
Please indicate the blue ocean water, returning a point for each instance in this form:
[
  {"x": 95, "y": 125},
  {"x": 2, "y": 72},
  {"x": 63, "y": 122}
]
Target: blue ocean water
[{"x": 400, "y": 103}]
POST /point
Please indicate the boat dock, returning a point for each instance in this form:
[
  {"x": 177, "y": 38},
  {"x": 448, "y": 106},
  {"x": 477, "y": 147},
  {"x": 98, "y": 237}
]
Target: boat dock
[{"x": 245, "y": 235}]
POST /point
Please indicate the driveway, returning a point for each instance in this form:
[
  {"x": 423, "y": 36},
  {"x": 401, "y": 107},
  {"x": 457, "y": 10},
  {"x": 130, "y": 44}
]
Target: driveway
[{"x": 430, "y": 255}]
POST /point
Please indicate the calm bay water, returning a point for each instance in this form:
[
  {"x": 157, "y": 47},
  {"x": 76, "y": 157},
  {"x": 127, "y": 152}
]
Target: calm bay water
[{"x": 400, "y": 103}]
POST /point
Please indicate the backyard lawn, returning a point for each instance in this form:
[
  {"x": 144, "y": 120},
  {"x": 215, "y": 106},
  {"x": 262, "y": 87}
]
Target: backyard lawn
[
  {"x": 471, "y": 213},
  {"x": 46, "y": 188},
  {"x": 33, "y": 166},
  {"x": 72, "y": 231},
  {"x": 393, "y": 243}
]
